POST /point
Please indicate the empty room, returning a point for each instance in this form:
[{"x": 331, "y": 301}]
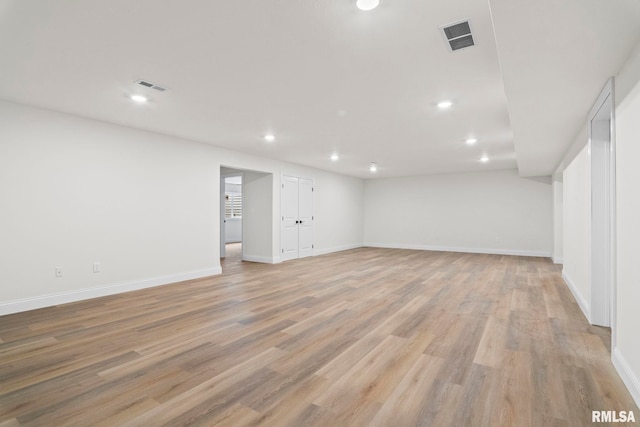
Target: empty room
[{"x": 319, "y": 213}]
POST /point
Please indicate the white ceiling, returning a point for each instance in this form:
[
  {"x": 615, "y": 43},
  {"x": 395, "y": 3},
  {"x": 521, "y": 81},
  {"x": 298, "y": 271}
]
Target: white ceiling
[
  {"x": 324, "y": 76},
  {"x": 556, "y": 57}
]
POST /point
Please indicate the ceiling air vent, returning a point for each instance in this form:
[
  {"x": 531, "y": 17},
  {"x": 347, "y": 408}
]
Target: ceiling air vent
[
  {"x": 458, "y": 35},
  {"x": 151, "y": 85}
]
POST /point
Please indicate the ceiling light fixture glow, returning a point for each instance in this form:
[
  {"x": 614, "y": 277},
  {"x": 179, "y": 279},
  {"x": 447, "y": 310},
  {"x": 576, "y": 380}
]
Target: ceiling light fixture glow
[
  {"x": 484, "y": 159},
  {"x": 367, "y": 4},
  {"x": 471, "y": 141},
  {"x": 269, "y": 138},
  {"x": 373, "y": 167},
  {"x": 139, "y": 98},
  {"x": 334, "y": 157},
  {"x": 443, "y": 105}
]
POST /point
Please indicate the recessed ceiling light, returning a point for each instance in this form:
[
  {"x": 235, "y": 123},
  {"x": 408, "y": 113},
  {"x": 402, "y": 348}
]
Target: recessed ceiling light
[
  {"x": 484, "y": 159},
  {"x": 334, "y": 157},
  {"x": 269, "y": 138},
  {"x": 367, "y": 4},
  {"x": 373, "y": 167},
  {"x": 471, "y": 141},
  {"x": 139, "y": 98},
  {"x": 443, "y": 105}
]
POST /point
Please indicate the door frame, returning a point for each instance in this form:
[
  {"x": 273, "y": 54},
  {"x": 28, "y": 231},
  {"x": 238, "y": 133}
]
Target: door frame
[
  {"x": 223, "y": 232},
  {"x": 602, "y": 227}
]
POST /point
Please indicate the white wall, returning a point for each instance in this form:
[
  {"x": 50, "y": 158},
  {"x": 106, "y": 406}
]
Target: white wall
[
  {"x": 257, "y": 217},
  {"x": 576, "y": 217},
  {"x": 75, "y": 191},
  {"x": 494, "y": 212},
  {"x": 333, "y": 201},
  {"x": 557, "y": 221},
  {"x": 626, "y": 354},
  {"x": 626, "y": 345}
]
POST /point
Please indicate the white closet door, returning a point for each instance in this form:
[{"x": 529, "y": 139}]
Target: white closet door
[
  {"x": 290, "y": 234},
  {"x": 305, "y": 217},
  {"x": 297, "y": 217}
]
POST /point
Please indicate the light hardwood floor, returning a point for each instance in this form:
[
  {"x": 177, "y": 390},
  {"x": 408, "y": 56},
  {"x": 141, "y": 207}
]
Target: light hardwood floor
[{"x": 367, "y": 337}]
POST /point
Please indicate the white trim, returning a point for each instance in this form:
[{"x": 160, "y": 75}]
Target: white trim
[
  {"x": 601, "y": 250},
  {"x": 223, "y": 219},
  {"x": 557, "y": 260},
  {"x": 337, "y": 249},
  {"x": 626, "y": 373},
  {"x": 582, "y": 303},
  {"x": 49, "y": 300},
  {"x": 606, "y": 91},
  {"x": 490, "y": 251},
  {"x": 260, "y": 259},
  {"x": 613, "y": 230}
]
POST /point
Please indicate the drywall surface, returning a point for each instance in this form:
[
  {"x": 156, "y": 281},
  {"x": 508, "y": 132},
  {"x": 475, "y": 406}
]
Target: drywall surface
[
  {"x": 626, "y": 354},
  {"x": 145, "y": 206},
  {"x": 258, "y": 217},
  {"x": 576, "y": 218},
  {"x": 492, "y": 212},
  {"x": 76, "y": 192},
  {"x": 557, "y": 222}
]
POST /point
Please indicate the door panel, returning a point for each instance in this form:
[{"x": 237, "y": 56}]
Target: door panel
[
  {"x": 290, "y": 198},
  {"x": 223, "y": 238},
  {"x": 305, "y": 215},
  {"x": 290, "y": 224},
  {"x": 290, "y": 242}
]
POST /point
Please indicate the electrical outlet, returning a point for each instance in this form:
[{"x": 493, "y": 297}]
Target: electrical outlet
[
  {"x": 58, "y": 271},
  {"x": 96, "y": 267}
]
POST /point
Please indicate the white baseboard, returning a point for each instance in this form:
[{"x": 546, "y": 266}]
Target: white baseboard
[
  {"x": 49, "y": 300},
  {"x": 577, "y": 296},
  {"x": 336, "y": 249},
  {"x": 261, "y": 259},
  {"x": 557, "y": 260},
  {"x": 491, "y": 251},
  {"x": 627, "y": 374}
]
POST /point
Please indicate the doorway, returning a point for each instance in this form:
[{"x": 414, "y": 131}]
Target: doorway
[
  {"x": 602, "y": 227},
  {"x": 249, "y": 204},
  {"x": 231, "y": 208}
]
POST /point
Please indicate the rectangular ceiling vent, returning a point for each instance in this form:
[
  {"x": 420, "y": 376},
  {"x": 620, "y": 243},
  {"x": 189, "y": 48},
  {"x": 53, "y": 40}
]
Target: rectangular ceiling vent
[
  {"x": 151, "y": 85},
  {"x": 458, "y": 35}
]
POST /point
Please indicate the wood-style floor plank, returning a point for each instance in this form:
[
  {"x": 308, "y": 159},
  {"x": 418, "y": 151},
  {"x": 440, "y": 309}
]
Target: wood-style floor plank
[{"x": 366, "y": 337}]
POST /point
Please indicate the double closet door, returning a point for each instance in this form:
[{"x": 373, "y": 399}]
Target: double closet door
[{"x": 297, "y": 217}]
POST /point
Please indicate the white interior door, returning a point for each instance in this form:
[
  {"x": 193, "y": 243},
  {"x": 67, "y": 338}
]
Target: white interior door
[
  {"x": 297, "y": 217},
  {"x": 305, "y": 217},
  {"x": 290, "y": 218},
  {"x": 223, "y": 238}
]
